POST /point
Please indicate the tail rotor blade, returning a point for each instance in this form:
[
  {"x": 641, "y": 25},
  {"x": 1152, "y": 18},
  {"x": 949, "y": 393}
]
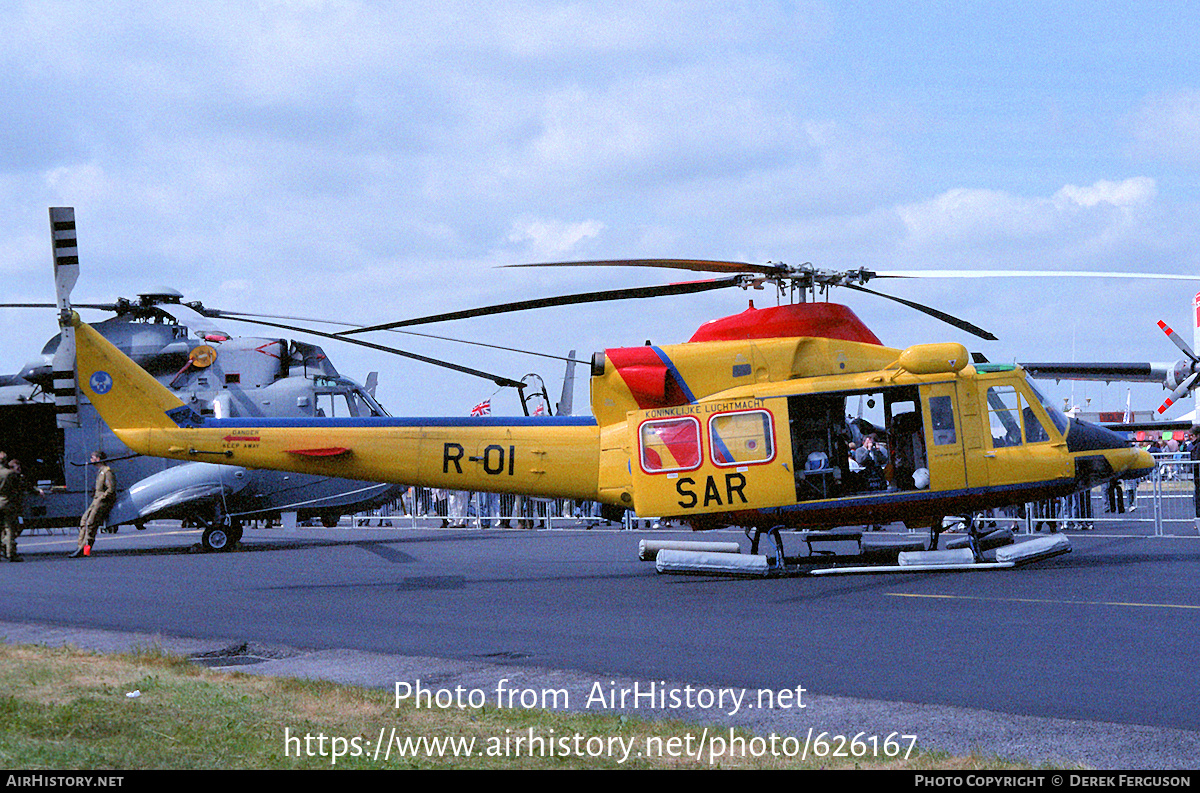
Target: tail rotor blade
[{"x": 66, "y": 273}]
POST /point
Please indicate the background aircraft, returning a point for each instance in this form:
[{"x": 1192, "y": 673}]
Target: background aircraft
[
  {"x": 214, "y": 372},
  {"x": 1180, "y": 377}
]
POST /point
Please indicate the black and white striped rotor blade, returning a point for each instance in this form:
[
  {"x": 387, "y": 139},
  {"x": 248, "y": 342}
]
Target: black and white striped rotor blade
[{"x": 66, "y": 273}]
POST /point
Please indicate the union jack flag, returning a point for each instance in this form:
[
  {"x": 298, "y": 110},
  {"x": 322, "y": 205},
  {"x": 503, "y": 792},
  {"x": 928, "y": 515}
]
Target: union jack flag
[{"x": 484, "y": 408}]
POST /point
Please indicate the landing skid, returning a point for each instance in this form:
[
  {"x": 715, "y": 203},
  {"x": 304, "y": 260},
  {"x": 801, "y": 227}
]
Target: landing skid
[{"x": 876, "y": 553}]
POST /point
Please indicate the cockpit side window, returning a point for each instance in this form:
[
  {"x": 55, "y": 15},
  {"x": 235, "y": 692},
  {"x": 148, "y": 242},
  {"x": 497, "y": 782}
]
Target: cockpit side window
[
  {"x": 1008, "y": 412},
  {"x": 1004, "y": 416},
  {"x": 334, "y": 405},
  {"x": 1034, "y": 431}
]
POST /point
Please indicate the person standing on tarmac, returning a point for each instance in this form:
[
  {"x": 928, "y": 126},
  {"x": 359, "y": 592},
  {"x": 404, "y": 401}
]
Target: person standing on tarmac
[
  {"x": 102, "y": 503},
  {"x": 17, "y": 487},
  {"x": 8, "y": 508}
]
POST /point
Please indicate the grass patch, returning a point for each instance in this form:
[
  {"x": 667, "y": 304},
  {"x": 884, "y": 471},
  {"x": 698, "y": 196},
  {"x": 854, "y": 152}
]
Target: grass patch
[{"x": 65, "y": 709}]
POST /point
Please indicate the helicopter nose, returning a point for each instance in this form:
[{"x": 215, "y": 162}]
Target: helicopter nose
[{"x": 1127, "y": 462}]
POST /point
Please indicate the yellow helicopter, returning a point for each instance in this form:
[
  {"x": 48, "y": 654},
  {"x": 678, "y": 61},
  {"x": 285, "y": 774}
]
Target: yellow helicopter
[{"x": 749, "y": 423}]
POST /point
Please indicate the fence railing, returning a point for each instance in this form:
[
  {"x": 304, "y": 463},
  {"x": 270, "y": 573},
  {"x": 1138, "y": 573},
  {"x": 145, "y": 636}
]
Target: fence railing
[{"x": 1162, "y": 503}]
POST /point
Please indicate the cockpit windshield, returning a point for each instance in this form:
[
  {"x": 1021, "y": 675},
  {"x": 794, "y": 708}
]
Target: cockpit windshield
[
  {"x": 342, "y": 398},
  {"x": 1056, "y": 415}
]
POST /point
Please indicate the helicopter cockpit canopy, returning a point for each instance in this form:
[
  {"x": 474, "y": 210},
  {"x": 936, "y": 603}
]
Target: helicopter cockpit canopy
[{"x": 339, "y": 397}]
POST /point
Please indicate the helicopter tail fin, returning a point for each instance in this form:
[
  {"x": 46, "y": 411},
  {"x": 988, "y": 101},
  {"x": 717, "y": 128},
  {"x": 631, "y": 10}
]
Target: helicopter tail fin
[
  {"x": 566, "y": 403},
  {"x": 124, "y": 394}
]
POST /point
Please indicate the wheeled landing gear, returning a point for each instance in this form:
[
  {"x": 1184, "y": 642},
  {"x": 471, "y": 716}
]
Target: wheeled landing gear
[{"x": 220, "y": 534}]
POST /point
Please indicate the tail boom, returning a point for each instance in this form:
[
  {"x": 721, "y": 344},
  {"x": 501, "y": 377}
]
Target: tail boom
[{"x": 540, "y": 456}]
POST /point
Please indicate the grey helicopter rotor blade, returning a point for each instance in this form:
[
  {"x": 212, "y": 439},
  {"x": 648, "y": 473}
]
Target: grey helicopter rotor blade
[
  {"x": 499, "y": 380},
  {"x": 97, "y": 306},
  {"x": 961, "y": 324},
  {"x": 1138, "y": 372},
  {"x": 242, "y": 316},
  {"x": 688, "y": 287}
]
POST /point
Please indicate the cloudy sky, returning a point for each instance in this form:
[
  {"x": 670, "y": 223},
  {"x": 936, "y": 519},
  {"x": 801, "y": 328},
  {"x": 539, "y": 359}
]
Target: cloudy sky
[{"x": 369, "y": 161}]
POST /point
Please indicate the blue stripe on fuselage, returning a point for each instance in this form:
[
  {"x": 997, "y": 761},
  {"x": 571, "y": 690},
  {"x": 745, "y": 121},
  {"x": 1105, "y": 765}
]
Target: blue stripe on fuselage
[
  {"x": 683, "y": 386},
  {"x": 245, "y": 422}
]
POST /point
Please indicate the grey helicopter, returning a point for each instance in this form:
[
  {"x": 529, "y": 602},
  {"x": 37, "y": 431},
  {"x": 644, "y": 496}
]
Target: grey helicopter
[{"x": 45, "y": 424}]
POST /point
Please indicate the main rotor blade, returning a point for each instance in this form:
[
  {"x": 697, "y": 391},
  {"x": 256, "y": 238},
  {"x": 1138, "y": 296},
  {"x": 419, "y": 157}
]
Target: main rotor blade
[
  {"x": 499, "y": 380},
  {"x": 1033, "y": 274},
  {"x": 961, "y": 324},
  {"x": 241, "y": 316},
  {"x": 100, "y": 306},
  {"x": 699, "y": 265},
  {"x": 689, "y": 287}
]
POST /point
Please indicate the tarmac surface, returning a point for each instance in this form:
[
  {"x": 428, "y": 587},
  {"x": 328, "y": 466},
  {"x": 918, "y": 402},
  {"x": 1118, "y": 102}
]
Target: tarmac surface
[{"x": 1085, "y": 659}]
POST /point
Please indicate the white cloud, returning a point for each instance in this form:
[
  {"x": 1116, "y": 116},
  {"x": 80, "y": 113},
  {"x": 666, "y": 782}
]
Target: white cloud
[
  {"x": 1130, "y": 193},
  {"x": 552, "y": 238},
  {"x": 993, "y": 217},
  {"x": 1167, "y": 126}
]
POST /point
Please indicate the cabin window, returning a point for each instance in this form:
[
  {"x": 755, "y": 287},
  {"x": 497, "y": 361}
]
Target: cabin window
[
  {"x": 941, "y": 415},
  {"x": 670, "y": 445},
  {"x": 741, "y": 438}
]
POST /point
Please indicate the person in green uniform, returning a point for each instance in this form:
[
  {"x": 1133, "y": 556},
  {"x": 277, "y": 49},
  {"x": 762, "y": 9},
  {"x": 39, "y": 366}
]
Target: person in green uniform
[{"x": 102, "y": 502}]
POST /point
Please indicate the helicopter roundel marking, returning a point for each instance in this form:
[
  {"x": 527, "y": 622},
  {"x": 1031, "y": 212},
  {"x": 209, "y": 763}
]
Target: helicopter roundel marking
[
  {"x": 203, "y": 356},
  {"x": 100, "y": 383}
]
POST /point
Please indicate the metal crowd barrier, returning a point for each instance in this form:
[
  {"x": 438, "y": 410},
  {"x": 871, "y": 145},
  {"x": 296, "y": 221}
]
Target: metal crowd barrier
[
  {"x": 1160, "y": 504},
  {"x": 430, "y": 507}
]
